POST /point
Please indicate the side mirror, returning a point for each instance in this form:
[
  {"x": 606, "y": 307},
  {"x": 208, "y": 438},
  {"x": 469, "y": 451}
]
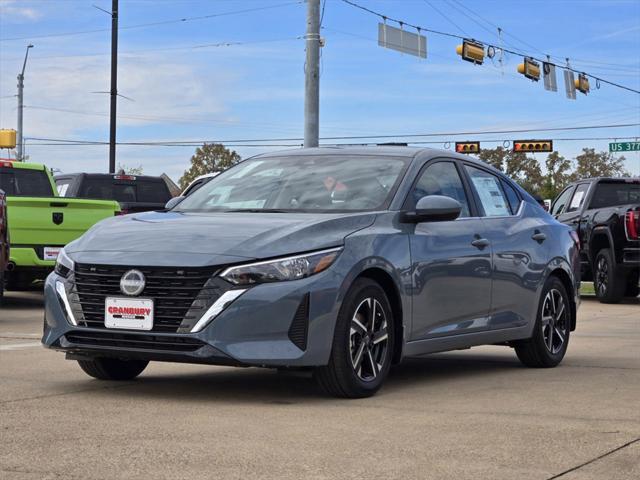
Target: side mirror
[
  {"x": 434, "y": 208},
  {"x": 173, "y": 202}
]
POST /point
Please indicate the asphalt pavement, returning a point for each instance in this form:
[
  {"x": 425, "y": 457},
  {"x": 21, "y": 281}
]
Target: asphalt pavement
[{"x": 469, "y": 414}]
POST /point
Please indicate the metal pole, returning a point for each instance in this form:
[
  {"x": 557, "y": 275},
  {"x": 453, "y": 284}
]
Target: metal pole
[
  {"x": 19, "y": 134},
  {"x": 312, "y": 76},
  {"x": 114, "y": 86}
]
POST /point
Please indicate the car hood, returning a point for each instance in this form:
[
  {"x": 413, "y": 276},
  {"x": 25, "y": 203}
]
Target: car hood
[{"x": 170, "y": 238}]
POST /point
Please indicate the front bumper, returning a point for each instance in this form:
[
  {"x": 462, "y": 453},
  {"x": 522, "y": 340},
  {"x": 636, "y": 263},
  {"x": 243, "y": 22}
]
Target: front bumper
[{"x": 254, "y": 330}]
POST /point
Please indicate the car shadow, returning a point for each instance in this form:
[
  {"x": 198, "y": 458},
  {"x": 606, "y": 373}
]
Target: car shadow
[
  {"x": 22, "y": 300},
  {"x": 263, "y": 386},
  {"x": 624, "y": 301}
]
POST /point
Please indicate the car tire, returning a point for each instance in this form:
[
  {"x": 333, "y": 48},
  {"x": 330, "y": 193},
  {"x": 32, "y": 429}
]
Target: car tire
[
  {"x": 548, "y": 345},
  {"x": 608, "y": 281},
  {"x": 112, "y": 368},
  {"x": 362, "y": 348}
]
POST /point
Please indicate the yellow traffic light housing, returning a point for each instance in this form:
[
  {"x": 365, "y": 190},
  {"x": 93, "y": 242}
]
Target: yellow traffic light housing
[
  {"x": 467, "y": 147},
  {"x": 7, "y": 138},
  {"x": 471, "y": 51},
  {"x": 532, "y": 146},
  {"x": 582, "y": 83},
  {"x": 530, "y": 69}
]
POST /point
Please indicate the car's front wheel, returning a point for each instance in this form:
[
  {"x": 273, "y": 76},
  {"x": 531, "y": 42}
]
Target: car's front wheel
[
  {"x": 112, "y": 368},
  {"x": 548, "y": 345},
  {"x": 362, "y": 347}
]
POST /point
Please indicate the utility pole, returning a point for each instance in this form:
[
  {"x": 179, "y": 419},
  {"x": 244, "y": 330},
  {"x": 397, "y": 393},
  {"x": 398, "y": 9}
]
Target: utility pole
[
  {"x": 114, "y": 86},
  {"x": 19, "y": 134},
  {"x": 312, "y": 76}
]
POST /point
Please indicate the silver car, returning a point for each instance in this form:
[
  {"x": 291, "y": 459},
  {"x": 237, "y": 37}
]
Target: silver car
[{"x": 342, "y": 261}]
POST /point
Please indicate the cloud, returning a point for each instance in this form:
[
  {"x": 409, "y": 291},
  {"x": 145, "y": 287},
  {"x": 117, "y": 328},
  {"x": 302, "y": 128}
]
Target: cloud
[{"x": 10, "y": 10}]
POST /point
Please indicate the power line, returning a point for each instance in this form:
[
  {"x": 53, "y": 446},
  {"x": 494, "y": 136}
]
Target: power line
[
  {"x": 154, "y": 24},
  {"x": 355, "y": 137},
  {"x": 453, "y": 35},
  {"x": 265, "y": 145}
]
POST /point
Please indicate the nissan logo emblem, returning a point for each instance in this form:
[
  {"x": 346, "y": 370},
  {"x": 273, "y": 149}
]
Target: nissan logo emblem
[{"x": 132, "y": 283}]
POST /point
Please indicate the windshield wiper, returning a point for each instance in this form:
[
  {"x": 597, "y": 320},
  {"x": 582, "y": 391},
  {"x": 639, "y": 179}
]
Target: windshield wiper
[{"x": 257, "y": 210}]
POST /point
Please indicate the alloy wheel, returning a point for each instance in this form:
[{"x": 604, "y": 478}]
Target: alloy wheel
[
  {"x": 602, "y": 276},
  {"x": 368, "y": 339},
  {"x": 554, "y": 321}
]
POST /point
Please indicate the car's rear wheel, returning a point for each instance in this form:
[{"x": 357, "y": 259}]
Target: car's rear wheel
[
  {"x": 548, "y": 345},
  {"x": 608, "y": 281},
  {"x": 113, "y": 368},
  {"x": 362, "y": 345}
]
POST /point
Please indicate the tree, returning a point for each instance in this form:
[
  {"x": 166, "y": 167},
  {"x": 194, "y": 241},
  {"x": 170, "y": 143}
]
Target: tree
[
  {"x": 493, "y": 156},
  {"x": 130, "y": 170},
  {"x": 601, "y": 164},
  {"x": 557, "y": 177},
  {"x": 210, "y": 158}
]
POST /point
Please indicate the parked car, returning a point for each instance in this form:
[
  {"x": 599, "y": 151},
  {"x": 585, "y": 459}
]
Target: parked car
[
  {"x": 135, "y": 193},
  {"x": 605, "y": 212},
  {"x": 40, "y": 222},
  {"x": 340, "y": 260},
  {"x": 198, "y": 182},
  {"x": 4, "y": 241}
]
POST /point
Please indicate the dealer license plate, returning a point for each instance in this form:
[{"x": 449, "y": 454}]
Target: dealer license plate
[
  {"x": 128, "y": 313},
  {"x": 51, "y": 253}
]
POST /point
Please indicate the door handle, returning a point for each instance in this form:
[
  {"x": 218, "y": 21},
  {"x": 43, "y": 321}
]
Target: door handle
[
  {"x": 539, "y": 236},
  {"x": 480, "y": 243}
]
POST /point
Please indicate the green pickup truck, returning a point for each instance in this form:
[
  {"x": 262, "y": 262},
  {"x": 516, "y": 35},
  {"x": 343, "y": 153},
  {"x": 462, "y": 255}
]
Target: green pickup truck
[{"x": 41, "y": 222}]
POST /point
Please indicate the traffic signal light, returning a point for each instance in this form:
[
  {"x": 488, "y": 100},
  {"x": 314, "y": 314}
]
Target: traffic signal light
[
  {"x": 582, "y": 83},
  {"x": 471, "y": 51},
  {"x": 533, "y": 146},
  {"x": 530, "y": 69},
  {"x": 467, "y": 147}
]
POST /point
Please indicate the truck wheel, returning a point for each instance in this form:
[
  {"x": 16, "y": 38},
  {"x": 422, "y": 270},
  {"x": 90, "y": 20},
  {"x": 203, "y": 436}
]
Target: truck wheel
[
  {"x": 633, "y": 289},
  {"x": 112, "y": 368},
  {"x": 362, "y": 343},
  {"x": 547, "y": 346},
  {"x": 608, "y": 280}
]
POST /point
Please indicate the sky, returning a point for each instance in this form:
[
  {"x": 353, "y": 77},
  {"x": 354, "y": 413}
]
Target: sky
[{"x": 240, "y": 75}]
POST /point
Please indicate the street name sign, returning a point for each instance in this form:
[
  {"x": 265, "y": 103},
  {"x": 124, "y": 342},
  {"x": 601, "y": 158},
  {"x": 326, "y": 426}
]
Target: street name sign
[{"x": 624, "y": 147}]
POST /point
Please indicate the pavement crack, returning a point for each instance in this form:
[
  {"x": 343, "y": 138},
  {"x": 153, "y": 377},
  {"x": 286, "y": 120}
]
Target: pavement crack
[{"x": 573, "y": 469}]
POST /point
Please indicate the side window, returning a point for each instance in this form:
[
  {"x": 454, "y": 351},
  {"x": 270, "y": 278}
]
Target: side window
[
  {"x": 62, "y": 186},
  {"x": 512, "y": 197},
  {"x": 440, "y": 178},
  {"x": 493, "y": 200},
  {"x": 561, "y": 201},
  {"x": 578, "y": 197}
]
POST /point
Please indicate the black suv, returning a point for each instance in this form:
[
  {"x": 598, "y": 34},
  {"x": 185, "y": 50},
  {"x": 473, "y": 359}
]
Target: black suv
[
  {"x": 605, "y": 212},
  {"x": 135, "y": 193}
]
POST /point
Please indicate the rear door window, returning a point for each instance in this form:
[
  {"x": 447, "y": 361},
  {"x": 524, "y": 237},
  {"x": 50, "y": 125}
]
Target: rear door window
[
  {"x": 493, "y": 200},
  {"x": 512, "y": 197},
  {"x": 578, "y": 197}
]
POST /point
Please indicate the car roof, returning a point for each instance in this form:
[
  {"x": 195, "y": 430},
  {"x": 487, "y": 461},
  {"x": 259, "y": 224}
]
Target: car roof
[
  {"x": 610, "y": 179},
  {"x": 379, "y": 150}
]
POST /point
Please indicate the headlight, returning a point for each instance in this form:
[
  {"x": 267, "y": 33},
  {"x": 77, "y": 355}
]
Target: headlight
[
  {"x": 64, "y": 264},
  {"x": 282, "y": 269}
]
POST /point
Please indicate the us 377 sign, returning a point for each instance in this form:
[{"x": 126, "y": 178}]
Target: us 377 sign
[{"x": 624, "y": 147}]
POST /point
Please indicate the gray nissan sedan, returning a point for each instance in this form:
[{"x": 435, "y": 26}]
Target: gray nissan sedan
[{"x": 342, "y": 261}]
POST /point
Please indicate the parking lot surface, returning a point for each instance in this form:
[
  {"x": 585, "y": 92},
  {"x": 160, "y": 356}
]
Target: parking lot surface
[{"x": 470, "y": 414}]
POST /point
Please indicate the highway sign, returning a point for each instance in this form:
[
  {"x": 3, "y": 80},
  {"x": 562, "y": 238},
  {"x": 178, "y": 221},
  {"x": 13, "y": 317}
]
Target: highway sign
[{"x": 624, "y": 147}]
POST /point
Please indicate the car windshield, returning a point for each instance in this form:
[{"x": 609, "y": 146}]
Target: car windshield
[
  {"x": 301, "y": 184},
  {"x": 140, "y": 190}
]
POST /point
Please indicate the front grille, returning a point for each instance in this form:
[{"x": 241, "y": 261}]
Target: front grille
[
  {"x": 133, "y": 341},
  {"x": 178, "y": 293}
]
